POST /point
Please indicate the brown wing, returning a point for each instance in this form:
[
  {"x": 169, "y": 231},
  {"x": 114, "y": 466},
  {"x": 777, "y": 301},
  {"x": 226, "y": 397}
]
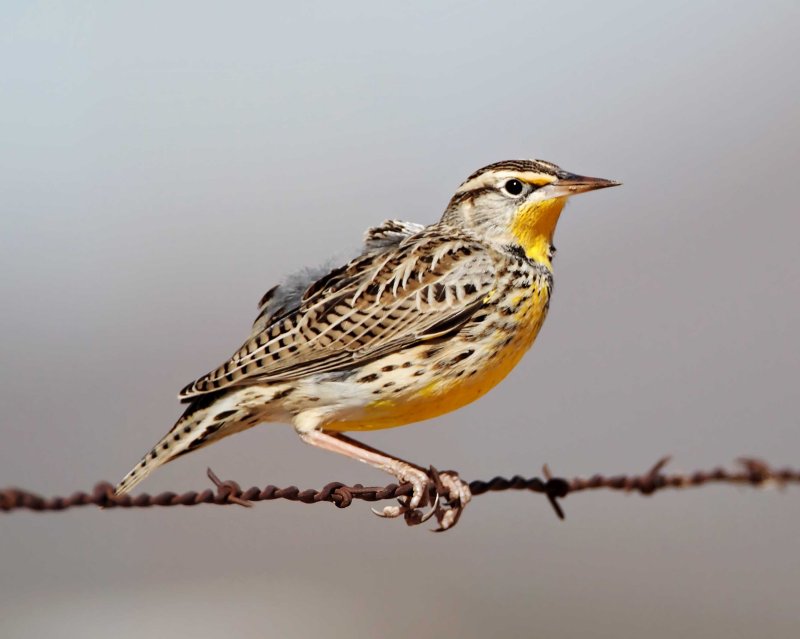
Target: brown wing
[
  {"x": 425, "y": 287},
  {"x": 286, "y": 296}
]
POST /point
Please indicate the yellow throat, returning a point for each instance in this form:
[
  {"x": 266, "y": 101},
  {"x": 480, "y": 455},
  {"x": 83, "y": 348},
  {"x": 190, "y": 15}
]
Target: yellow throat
[{"x": 534, "y": 226}]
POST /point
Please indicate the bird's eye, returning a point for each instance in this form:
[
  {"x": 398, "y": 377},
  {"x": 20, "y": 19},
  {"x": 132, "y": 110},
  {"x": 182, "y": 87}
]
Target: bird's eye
[{"x": 513, "y": 187}]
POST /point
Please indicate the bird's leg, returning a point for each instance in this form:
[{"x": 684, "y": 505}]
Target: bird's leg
[{"x": 405, "y": 472}]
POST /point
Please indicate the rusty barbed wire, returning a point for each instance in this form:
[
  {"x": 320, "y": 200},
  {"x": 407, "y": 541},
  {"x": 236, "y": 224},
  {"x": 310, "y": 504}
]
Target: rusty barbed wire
[{"x": 751, "y": 471}]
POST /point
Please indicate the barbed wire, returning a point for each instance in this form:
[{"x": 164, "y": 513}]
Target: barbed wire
[{"x": 751, "y": 471}]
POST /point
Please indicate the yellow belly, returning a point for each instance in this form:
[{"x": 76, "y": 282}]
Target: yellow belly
[{"x": 446, "y": 392}]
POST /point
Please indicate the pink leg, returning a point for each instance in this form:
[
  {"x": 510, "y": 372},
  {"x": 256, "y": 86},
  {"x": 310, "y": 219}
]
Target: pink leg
[{"x": 405, "y": 472}]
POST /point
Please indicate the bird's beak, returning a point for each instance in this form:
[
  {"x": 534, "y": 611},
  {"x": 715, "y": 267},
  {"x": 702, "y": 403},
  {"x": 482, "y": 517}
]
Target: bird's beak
[{"x": 570, "y": 184}]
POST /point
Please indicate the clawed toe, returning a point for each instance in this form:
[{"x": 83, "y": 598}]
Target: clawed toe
[
  {"x": 409, "y": 505},
  {"x": 457, "y": 495},
  {"x": 413, "y": 516},
  {"x": 447, "y": 491}
]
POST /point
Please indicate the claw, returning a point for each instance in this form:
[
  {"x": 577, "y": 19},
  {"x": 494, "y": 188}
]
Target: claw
[
  {"x": 392, "y": 511},
  {"x": 415, "y": 517},
  {"x": 389, "y": 511},
  {"x": 458, "y": 496},
  {"x": 450, "y": 496},
  {"x": 447, "y": 519}
]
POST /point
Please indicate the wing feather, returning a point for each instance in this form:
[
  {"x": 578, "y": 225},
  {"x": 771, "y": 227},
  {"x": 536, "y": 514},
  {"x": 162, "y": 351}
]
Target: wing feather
[{"x": 421, "y": 288}]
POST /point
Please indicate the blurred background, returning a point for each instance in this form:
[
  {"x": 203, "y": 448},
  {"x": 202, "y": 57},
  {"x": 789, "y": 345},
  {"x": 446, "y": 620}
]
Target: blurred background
[{"x": 163, "y": 164}]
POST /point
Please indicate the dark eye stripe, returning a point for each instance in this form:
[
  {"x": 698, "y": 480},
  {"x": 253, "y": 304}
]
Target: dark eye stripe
[{"x": 460, "y": 198}]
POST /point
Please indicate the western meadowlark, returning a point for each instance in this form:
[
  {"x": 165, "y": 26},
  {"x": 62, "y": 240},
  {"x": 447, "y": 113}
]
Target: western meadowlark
[{"x": 423, "y": 321}]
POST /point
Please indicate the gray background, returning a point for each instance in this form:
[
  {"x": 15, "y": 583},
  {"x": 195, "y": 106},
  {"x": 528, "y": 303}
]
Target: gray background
[{"x": 162, "y": 164}]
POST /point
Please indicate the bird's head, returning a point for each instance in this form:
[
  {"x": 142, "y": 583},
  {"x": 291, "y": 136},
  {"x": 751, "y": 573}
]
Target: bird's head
[{"x": 518, "y": 203}]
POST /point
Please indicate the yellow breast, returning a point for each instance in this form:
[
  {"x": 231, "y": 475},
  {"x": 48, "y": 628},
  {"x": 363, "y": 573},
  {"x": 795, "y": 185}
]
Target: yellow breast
[{"x": 449, "y": 388}]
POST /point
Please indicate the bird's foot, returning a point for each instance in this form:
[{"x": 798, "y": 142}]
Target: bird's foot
[
  {"x": 445, "y": 492},
  {"x": 423, "y": 488},
  {"x": 454, "y": 496}
]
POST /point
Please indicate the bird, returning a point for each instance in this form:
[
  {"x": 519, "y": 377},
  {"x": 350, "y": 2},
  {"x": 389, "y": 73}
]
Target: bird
[{"x": 422, "y": 321}]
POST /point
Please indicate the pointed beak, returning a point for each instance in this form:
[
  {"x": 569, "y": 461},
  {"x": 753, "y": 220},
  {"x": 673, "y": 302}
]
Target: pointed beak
[{"x": 569, "y": 184}]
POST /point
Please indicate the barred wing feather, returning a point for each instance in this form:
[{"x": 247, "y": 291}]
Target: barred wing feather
[{"x": 426, "y": 286}]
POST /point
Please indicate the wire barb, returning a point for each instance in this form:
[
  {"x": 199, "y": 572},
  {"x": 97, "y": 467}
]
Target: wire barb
[
  {"x": 752, "y": 472},
  {"x": 228, "y": 490}
]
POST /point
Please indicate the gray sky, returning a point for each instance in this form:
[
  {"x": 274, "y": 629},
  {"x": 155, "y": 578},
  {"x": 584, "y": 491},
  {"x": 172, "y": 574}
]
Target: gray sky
[{"x": 162, "y": 164}]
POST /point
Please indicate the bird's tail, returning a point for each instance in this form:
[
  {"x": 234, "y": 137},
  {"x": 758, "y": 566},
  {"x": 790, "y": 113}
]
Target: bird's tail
[{"x": 207, "y": 419}]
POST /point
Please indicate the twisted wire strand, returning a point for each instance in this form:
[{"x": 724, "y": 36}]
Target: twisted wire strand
[{"x": 751, "y": 471}]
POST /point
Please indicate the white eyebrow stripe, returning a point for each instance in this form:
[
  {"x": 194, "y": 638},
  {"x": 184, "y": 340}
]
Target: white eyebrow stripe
[{"x": 491, "y": 177}]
